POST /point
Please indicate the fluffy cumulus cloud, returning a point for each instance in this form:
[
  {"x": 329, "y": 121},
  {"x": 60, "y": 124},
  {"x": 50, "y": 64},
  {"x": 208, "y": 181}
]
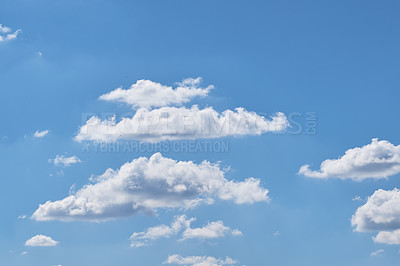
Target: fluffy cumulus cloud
[
  {"x": 182, "y": 224},
  {"x": 388, "y": 237},
  {"x": 380, "y": 213},
  {"x": 172, "y": 123},
  {"x": 147, "y": 184},
  {"x": 60, "y": 160},
  {"x": 199, "y": 260},
  {"x": 6, "y": 33},
  {"x": 40, "y": 134},
  {"x": 40, "y": 241},
  {"x": 379, "y": 159},
  {"x": 146, "y": 93}
]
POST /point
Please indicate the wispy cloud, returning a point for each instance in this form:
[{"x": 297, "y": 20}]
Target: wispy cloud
[
  {"x": 199, "y": 260},
  {"x": 4, "y": 29},
  {"x": 41, "y": 134},
  {"x": 357, "y": 198},
  {"x": 378, "y": 252},
  {"x": 182, "y": 224},
  {"x": 6, "y": 33}
]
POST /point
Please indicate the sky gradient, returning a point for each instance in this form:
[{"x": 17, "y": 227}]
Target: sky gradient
[{"x": 328, "y": 70}]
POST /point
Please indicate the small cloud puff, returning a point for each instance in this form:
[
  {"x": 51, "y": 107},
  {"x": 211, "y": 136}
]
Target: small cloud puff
[
  {"x": 6, "y": 33},
  {"x": 199, "y": 260},
  {"x": 40, "y": 241},
  {"x": 60, "y": 160}
]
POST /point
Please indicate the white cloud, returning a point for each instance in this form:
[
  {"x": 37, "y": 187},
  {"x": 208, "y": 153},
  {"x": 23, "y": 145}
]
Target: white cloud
[
  {"x": 145, "y": 185},
  {"x": 388, "y": 237},
  {"x": 171, "y": 123},
  {"x": 379, "y": 159},
  {"x": 23, "y": 253},
  {"x": 146, "y": 93},
  {"x": 40, "y": 134},
  {"x": 21, "y": 217},
  {"x": 6, "y": 35},
  {"x": 4, "y": 29},
  {"x": 211, "y": 230},
  {"x": 199, "y": 260},
  {"x": 168, "y": 122},
  {"x": 182, "y": 224},
  {"x": 378, "y": 252},
  {"x": 380, "y": 213},
  {"x": 40, "y": 241},
  {"x": 139, "y": 239},
  {"x": 66, "y": 161}
]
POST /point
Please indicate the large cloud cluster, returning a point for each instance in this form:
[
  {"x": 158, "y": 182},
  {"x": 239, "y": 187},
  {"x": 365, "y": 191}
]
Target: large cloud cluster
[
  {"x": 168, "y": 122},
  {"x": 171, "y": 123},
  {"x": 145, "y": 185}
]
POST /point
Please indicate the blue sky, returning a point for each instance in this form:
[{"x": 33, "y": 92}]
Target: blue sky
[{"x": 337, "y": 60}]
